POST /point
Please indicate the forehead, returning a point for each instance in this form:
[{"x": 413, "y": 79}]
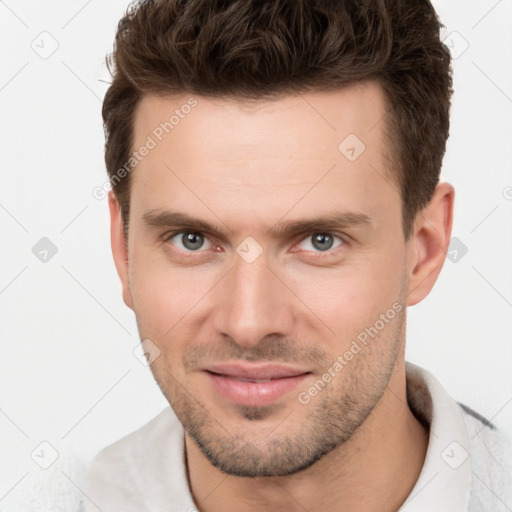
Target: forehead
[
  {"x": 241, "y": 157},
  {"x": 321, "y": 118}
]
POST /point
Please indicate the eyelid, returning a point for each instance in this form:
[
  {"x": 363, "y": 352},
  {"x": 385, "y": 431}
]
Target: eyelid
[
  {"x": 328, "y": 252},
  {"x": 168, "y": 236},
  {"x": 180, "y": 231}
]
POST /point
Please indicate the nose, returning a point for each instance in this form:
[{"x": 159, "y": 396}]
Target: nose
[{"x": 254, "y": 303}]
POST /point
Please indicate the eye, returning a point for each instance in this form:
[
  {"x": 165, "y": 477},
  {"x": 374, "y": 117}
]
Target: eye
[
  {"x": 190, "y": 241},
  {"x": 321, "y": 242}
]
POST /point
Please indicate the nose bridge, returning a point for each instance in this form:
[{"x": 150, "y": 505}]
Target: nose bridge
[{"x": 254, "y": 303}]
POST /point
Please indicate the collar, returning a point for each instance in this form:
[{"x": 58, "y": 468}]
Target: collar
[{"x": 445, "y": 479}]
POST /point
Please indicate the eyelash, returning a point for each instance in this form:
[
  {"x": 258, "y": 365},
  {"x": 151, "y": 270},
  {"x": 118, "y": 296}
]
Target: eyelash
[{"x": 168, "y": 237}]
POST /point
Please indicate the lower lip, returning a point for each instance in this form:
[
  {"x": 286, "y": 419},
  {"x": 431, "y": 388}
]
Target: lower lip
[{"x": 254, "y": 393}]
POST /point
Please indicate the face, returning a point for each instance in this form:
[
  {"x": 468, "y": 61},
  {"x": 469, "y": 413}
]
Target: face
[{"x": 267, "y": 265}]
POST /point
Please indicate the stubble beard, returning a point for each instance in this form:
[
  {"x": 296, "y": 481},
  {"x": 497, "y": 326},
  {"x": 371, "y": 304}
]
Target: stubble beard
[{"x": 327, "y": 422}]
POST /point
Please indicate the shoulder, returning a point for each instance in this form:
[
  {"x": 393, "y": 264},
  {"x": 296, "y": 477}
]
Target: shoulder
[
  {"x": 491, "y": 463},
  {"x": 139, "y": 445},
  {"x": 482, "y": 477},
  {"x": 141, "y": 470}
]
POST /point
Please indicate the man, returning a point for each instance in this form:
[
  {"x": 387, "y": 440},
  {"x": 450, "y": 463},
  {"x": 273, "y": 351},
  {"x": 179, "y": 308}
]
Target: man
[{"x": 276, "y": 207}]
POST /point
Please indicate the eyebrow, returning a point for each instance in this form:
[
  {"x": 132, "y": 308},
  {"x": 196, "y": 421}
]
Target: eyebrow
[{"x": 327, "y": 221}]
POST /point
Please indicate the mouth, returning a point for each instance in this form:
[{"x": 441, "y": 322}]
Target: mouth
[{"x": 254, "y": 385}]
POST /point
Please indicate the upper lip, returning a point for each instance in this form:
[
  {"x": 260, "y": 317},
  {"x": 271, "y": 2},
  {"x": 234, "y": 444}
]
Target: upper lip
[{"x": 255, "y": 371}]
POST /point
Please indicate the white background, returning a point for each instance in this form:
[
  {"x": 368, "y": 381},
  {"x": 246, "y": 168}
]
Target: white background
[{"x": 68, "y": 374}]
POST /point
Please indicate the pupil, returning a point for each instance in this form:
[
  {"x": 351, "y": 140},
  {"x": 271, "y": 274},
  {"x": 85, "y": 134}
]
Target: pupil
[
  {"x": 322, "y": 241},
  {"x": 192, "y": 240}
]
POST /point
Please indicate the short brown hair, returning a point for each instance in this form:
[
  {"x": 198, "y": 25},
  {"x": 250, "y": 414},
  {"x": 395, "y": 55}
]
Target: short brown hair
[{"x": 258, "y": 49}]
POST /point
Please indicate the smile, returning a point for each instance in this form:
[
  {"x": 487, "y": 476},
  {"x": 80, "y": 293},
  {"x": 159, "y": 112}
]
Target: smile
[{"x": 254, "y": 386}]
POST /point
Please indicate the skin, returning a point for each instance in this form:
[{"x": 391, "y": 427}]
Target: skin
[{"x": 247, "y": 168}]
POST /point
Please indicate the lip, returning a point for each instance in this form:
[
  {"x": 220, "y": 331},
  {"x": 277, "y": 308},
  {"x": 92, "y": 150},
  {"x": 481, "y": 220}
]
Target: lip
[{"x": 236, "y": 382}]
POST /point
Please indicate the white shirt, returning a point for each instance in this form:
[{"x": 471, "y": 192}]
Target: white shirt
[{"x": 465, "y": 468}]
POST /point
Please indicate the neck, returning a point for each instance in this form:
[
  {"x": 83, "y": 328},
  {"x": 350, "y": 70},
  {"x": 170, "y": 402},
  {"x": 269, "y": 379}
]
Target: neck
[{"x": 375, "y": 470}]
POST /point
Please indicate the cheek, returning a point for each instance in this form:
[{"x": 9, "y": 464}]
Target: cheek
[
  {"x": 350, "y": 298},
  {"x": 166, "y": 297}
]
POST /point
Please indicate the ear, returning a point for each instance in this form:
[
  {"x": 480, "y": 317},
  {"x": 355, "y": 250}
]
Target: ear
[
  {"x": 119, "y": 247},
  {"x": 429, "y": 242}
]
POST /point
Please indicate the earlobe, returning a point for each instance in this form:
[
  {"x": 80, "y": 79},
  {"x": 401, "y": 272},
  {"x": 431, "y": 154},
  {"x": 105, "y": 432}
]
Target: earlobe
[
  {"x": 119, "y": 247},
  {"x": 429, "y": 242}
]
